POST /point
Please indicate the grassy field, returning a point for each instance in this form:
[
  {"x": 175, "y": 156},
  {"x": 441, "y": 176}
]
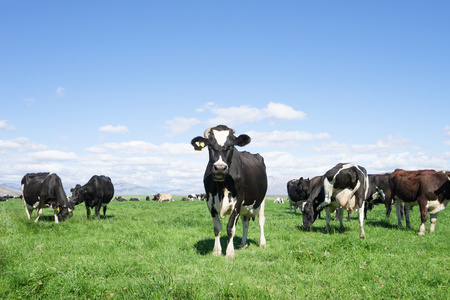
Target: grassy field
[{"x": 148, "y": 250}]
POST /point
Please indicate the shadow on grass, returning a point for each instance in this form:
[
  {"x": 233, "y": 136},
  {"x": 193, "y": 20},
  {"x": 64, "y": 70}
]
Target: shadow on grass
[
  {"x": 205, "y": 247},
  {"x": 380, "y": 223},
  {"x": 323, "y": 229}
]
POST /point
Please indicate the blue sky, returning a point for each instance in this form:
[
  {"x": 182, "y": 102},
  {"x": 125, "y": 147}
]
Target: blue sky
[{"x": 121, "y": 87}]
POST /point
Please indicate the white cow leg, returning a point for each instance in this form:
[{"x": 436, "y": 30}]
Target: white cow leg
[
  {"x": 328, "y": 218},
  {"x": 407, "y": 210},
  {"x": 262, "y": 221},
  {"x": 398, "y": 210},
  {"x": 421, "y": 229},
  {"x": 55, "y": 212},
  {"x": 28, "y": 210},
  {"x": 362, "y": 234},
  {"x": 38, "y": 214},
  {"x": 245, "y": 224},
  {"x": 433, "y": 222},
  {"x": 230, "y": 248},
  {"x": 217, "y": 229}
]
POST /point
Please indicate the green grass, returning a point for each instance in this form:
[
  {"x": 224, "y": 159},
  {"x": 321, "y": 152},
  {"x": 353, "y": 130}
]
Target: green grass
[{"x": 149, "y": 250}]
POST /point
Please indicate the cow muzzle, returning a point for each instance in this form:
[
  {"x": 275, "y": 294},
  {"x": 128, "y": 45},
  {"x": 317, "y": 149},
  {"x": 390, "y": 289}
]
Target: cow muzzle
[{"x": 219, "y": 171}]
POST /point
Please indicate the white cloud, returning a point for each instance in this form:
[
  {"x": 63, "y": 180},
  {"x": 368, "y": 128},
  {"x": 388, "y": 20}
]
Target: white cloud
[
  {"x": 236, "y": 115},
  {"x": 179, "y": 125},
  {"x": 5, "y": 126},
  {"x": 283, "y": 112},
  {"x": 30, "y": 101},
  {"x": 21, "y": 144},
  {"x": 114, "y": 129},
  {"x": 284, "y": 139},
  {"x": 60, "y": 91},
  {"x": 142, "y": 147},
  {"x": 382, "y": 145},
  {"x": 447, "y": 130}
]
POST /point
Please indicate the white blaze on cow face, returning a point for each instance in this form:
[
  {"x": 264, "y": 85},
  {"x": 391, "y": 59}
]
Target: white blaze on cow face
[{"x": 221, "y": 136}]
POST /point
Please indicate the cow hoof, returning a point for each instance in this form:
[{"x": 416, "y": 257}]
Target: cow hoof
[
  {"x": 231, "y": 255},
  {"x": 362, "y": 236},
  {"x": 217, "y": 253},
  {"x": 421, "y": 233},
  {"x": 244, "y": 246}
]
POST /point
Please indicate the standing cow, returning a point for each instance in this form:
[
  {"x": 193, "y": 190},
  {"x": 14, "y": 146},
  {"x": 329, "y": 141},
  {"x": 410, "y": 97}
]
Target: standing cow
[
  {"x": 97, "y": 193},
  {"x": 45, "y": 190},
  {"x": 297, "y": 189},
  {"x": 235, "y": 183},
  {"x": 429, "y": 189},
  {"x": 344, "y": 186},
  {"x": 379, "y": 192}
]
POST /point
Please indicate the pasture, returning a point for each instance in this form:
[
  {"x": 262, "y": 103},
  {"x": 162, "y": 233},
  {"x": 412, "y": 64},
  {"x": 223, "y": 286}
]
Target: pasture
[{"x": 149, "y": 250}]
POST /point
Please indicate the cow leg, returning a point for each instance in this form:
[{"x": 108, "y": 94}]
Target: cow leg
[
  {"x": 55, "y": 212},
  {"x": 88, "y": 211},
  {"x": 398, "y": 210},
  {"x": 97, "y": 209},
  {"x": 231, "y": 231},
  {"x": 39, "y": 213},
  {"x": 262, "y": 221},
  {"x": 29, "y": 210},
  {"x": 104, "y": 210},
  {"x": 328, "y": 218},
  {"x": 348, "y": 216},
  {"x": 423, "y": 214},
  {"x": 407, "y": 213},
  {"x": 217, "y": 229},
  {"x": 433, "y": 220},
  {"x": 245, "y": 224},
  {"x": 362, "y": 234},
  {"x": 290, "y": 207},
  {"x": 340, "y": 215}
]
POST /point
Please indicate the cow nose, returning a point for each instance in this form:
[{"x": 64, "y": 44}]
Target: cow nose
[{"x": 220, "y": 168}]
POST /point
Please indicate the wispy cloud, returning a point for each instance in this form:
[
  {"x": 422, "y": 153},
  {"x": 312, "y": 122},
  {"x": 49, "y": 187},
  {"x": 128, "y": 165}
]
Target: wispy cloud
[
  {"x": 245, "y": 114},
  {"x": 60, "y": 91},
  {"x": 30, "y": 101},
  {"x": 179, "y": 125},
  {"x": 284, "y": 139},
  {"x": 113, "y": 129},
  {"x": 5, "y": 126}
]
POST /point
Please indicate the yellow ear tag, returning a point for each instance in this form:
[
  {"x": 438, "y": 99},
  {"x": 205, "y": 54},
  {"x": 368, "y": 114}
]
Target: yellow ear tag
[{"x": 202, "y": 144}]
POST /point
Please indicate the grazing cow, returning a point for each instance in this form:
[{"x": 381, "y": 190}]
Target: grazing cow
[
  {"x": 97, "y": 193},
  {"x": 344, "y": 186},
  {"x": 120, "y": 199},
  {"x": 163, "y": 197},
  {"x": 235, "y": 183},
  {"x": 379, "y": 192},
  {"x": 134, "y": 199},
  {"x": 429, "y": 189},
  {"x": 45, "y": 190},
  {"x": 296, "y": 189}
]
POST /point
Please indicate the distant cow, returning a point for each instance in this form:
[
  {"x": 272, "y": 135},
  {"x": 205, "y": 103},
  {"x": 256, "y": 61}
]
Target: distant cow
[
  {"x": 163, "y": 197},
  {"x": 134, "y": 199},
  {"x": 120, "y": 199},
  {"x": 379, "y": 192},
  {"x": 429, "y": 189},
  {"x": 97, "y": 193},
  {"x": 235, "y": 183},
  {"x": 45, "y": 190},
  {"x": 278, "y": 200},
  {"x": 343, "y": 186}
]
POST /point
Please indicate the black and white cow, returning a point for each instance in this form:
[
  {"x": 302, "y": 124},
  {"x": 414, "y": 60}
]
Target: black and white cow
[
  {"x": 297, "y": 189},
  {"x": 429, "y": 189},
  {"x": 235, "y": 183},
  {"x": 379, "y": 192},
  {"x": 45, "y": 190},
  {"x": 97, "y": 193},
  {"x": 344, "y": 186}
]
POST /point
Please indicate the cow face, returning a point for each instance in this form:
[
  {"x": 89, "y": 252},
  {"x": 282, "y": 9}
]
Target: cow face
[
  {"x": 220, "y": 141},
  {"x": 78, "y": 195},
  {"x": 310, "y": 212},
  {"x": 65, "y": 213}
]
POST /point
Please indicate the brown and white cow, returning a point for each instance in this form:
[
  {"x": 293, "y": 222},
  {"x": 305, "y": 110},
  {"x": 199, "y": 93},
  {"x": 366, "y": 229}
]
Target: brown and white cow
[
  {"x": 163, "y": 197},
  {"x": 429, "y": 189},
  {"x": 235, "y": 183}
]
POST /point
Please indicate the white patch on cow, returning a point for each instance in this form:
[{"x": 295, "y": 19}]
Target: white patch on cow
[
  {"x": 434, "y": 206},
  {"x": 227, "y": 204},
  {"x": 220, "y": 162},
  {"x": 221, "y": 136}
]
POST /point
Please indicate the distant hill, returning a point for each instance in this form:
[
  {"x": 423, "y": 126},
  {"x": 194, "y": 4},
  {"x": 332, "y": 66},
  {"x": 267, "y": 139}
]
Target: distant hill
[
  {"x": 126, "y": 188},
  {"x": 4, "y": 190}
]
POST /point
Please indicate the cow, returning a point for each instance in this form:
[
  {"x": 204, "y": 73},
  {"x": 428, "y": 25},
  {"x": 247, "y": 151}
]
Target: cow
[
  {"x": 45, "y": 189},
  {"x": 379, "y": 192},
  {"x": 163, "y": 197},
  {"x": 343, "y": 186},
  {"x": 97, "y": 192},
  {"x": 134, "y": 199},
  {"x": 278, "y": 200},
  {"x": 235, "y": 183},
  {"x": 296, "y": 189},
  {"x": 429, "y": 189}
]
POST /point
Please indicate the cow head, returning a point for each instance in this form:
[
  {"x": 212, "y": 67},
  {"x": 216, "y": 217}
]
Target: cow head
[
  {"x": 310, "y": 212},
  {"x": 302, "y": 188},
  {"x": 78, "y": 195},
  {"x": 220, "y": 141},
  {"x": 65, "y": 212}
]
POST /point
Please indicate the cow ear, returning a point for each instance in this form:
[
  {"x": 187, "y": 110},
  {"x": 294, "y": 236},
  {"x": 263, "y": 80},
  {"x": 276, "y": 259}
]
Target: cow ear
[
  {"x": 300, "y": 180},
  {"x": 242, "y": 140},
  {"x": 199, "y": 143}
]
